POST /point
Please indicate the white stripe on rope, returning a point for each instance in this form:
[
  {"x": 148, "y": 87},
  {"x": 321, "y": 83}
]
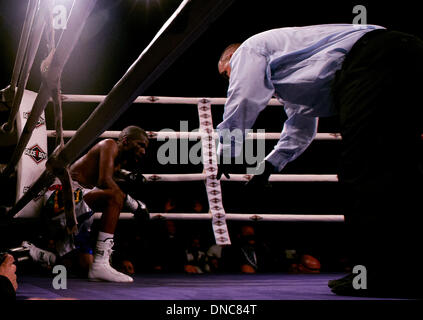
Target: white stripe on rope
[
  {"x": 214, "y": 192},
  {"x": 154, "y": 99},
  {"x": 243, "y": 177},
  {"x": 162, "y": 135},
  {"x": 239, "y": 217}
]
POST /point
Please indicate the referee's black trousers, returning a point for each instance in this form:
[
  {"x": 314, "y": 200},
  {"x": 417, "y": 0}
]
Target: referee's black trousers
[{"x": 379, "y": 96}]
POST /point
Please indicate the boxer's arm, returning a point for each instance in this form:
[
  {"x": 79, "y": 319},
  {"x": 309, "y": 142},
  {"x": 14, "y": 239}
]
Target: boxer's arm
[
  {"x": 132, "y": 182},
  {"x": 107, "y": 155}
]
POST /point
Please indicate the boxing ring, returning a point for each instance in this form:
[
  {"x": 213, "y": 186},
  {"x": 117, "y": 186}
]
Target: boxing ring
[
  {"x": 36, "y": 175},
  {"x": 214, "y": 196},
  {"x": 189, "y": 177}
]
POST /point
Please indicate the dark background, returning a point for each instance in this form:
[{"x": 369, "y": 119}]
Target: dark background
[{"x": 119, "y": 30}]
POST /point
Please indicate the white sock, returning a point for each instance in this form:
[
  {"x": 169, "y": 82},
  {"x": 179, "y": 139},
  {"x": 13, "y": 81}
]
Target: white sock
[
  {"x": 99, "y": 253},
  {"x": 103, "y": 236}
]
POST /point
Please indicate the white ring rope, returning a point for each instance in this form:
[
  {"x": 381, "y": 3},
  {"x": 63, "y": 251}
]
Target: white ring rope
[
  {"x": 242, "y": 177},
  {"x": 155, "y": 99},
  {"x": 178, "y": 101},
  {"x": 161, "y": 135},
  {"x": 239, "y": 217}
]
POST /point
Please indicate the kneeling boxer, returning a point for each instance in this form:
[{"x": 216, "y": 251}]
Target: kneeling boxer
[{"x": 96, "y": 189}]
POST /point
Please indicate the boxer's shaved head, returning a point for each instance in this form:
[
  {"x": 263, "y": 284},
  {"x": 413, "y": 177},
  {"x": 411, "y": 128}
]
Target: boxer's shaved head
[{"x": 133, "y": 133}]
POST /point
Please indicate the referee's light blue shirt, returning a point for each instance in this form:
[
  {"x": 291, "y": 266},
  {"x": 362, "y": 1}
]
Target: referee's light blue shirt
[{"x": 297, "y": 66}]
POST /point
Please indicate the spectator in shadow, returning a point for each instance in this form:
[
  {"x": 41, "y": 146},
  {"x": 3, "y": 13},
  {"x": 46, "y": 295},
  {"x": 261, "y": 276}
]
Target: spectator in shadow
[
  {"x": 131, "y": 243},
  {"x": 8, "y": 280},
  {"x": 305, "y": 263},
  {"x": 214, "y": 257},
  {"x": 196, "y": 261},
  {"x": 169, "y": 205},
  {"x": 198, "y": 206},
  {"x": 166, "y": 249},
  {"x": 248, "y": 254}
]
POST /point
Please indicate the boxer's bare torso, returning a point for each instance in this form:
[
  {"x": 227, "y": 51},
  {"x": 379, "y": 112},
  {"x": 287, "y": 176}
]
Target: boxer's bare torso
[{"x": 97, "y": 166}]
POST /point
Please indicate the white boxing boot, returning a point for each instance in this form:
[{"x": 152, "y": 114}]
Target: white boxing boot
[
  {"x": 39, "y": 255},
  {"x": 101, "y": 270}
]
